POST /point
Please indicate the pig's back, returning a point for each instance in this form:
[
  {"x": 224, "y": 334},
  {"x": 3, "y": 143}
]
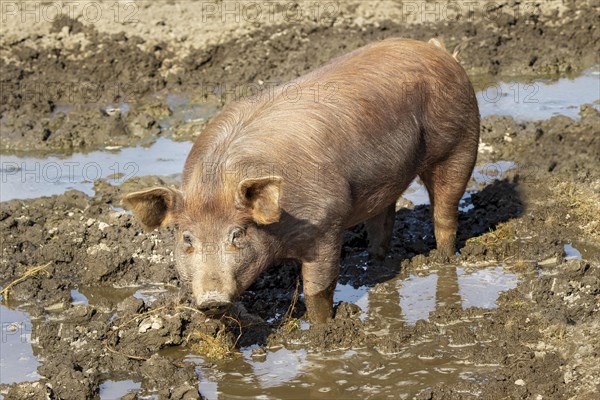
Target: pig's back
[
  {"x": 381, "y": 93},
  {"x": 365, "y": 124}
]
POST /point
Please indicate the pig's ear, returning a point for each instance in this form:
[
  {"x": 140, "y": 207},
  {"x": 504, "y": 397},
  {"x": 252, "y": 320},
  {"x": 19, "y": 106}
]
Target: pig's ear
[
  {"x": 261, "y": 196},
  {"x": 154, "y": 207}
]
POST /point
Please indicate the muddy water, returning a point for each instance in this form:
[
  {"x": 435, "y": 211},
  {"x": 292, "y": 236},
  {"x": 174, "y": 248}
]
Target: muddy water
[
  {"x": 296, "y": 372},
  {"x": 364, "y": 373},
  {"x": 31, "y": 177},
  {"x": 110, "y": 390},
  {"x": 483, "y": 175},
  {"x": 110, "y": 296},
  {"x": 17, "y": 360},
  {"x": 414, "y": 297},
  {"x": 540, "y": 99}
]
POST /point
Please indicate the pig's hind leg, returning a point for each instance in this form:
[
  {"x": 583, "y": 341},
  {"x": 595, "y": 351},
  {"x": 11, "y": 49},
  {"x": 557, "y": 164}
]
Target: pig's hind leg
[
  {"x": 446, "y": 183},
  {"x": 380, "y": 229}
]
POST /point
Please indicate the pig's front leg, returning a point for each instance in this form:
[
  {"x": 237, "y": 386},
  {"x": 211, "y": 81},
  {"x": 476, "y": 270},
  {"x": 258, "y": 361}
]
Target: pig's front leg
[
  {"x": 319, "y": 284},
  {"x": 319, "y": 277}
]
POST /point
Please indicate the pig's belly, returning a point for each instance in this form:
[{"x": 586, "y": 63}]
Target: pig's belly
[{"x": 371, "y": 201}]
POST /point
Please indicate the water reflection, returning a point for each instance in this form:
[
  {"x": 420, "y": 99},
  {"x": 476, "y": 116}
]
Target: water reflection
[
  {"x": 571, "y": 253},
  {"x": 31, "y": 177},
  {"x": 481, "y": 288},
  {"x": 106, "y": 296},
  {"x": 417, "y": 297},
  {"x": 482, "y": 176},
  {"x": 17, "y": 360},
  {"x": 350, "y": 294},
  {"x": 287, "y": 373},
  {"x": 368, "y": 373},
  {"x": 540, "y": 99},
  {"x": 110, "y": 390},
  {"x": 447, "y": 287}
]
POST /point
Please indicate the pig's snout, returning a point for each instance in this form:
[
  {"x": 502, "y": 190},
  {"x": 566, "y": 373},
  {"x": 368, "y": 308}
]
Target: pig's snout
[
  {"x": 214, "y": 308},
  {"x": 213, "y": 303}
]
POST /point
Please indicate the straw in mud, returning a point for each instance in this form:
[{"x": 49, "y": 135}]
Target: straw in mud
[{"x": 29, "y": 273}]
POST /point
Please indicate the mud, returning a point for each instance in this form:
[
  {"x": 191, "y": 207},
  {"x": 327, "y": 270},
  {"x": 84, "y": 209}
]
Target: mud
[{"x": 514, "y": 315}]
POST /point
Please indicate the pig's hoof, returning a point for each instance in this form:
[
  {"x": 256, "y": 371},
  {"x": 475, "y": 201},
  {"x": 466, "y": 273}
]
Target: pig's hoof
[
  {"x": 378, "y": 255},
  {"x": 440, "y": 256}
]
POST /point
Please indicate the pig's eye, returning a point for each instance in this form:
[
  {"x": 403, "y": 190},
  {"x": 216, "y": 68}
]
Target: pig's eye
[
  {"x": 235, "y": 236},
  {"x": 187, "y": 239}
]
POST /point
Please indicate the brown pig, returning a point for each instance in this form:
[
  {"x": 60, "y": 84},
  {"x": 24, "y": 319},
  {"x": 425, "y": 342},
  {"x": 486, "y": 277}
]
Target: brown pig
[{"x": 281, "y": 176}]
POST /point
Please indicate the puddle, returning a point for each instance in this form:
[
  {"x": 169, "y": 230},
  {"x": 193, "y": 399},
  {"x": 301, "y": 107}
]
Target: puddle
[
  {"x": 184, "y": 110},
  {"x": 582, "y": 250},
  {"x": 285, "y": 373},
  {"x": 350, "y": 294},
  {"x": 418, "y": 295},
  {"x": 280, "y": 366},
  {"x": 110, "y": 390},
  {"x": 77, "y": 298},
  {"x": 31, "y": 177},
  {"x": 485, "y": 174},
  {"x": 25, "y": 177},
  {"x": 368, "y": 373},
  {"x": 416, "y": 193},
  {"x": 571, "y": 253},
  {"x": 541, "y": 99},
  {"x": 297, "y": 373},
  {"x": 364, "y": 374},
  {"x": 246, "y": 378},
  {"x": 17, "y": 360},
  {"x": 151, "y": 293},
  {"x": 103, "y": 296},
  {"x": 121, "y": 108},
  {"x": 481, "y": 288}
]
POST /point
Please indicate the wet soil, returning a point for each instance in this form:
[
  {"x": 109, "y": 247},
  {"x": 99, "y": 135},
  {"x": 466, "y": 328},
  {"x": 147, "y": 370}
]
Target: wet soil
[{"x": 91, "y": 326}]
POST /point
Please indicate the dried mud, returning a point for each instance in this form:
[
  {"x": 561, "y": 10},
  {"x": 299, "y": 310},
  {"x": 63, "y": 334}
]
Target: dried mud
[{"x": 540, "y": 342}]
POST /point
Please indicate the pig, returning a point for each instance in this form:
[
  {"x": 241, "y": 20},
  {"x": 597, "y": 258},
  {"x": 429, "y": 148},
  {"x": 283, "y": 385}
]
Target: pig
[{"x": 281, "y": 176}]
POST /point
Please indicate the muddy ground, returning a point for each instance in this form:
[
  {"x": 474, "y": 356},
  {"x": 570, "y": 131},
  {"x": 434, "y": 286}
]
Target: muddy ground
[{"x": 541, "y": 342}]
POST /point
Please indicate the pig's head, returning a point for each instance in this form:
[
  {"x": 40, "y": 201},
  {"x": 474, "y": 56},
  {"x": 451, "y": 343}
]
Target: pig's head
[{"x": 223, "y": 242}]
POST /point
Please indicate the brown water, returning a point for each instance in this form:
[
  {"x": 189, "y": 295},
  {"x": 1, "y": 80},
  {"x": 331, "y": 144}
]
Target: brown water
[{"x": 295, "y": 373}]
